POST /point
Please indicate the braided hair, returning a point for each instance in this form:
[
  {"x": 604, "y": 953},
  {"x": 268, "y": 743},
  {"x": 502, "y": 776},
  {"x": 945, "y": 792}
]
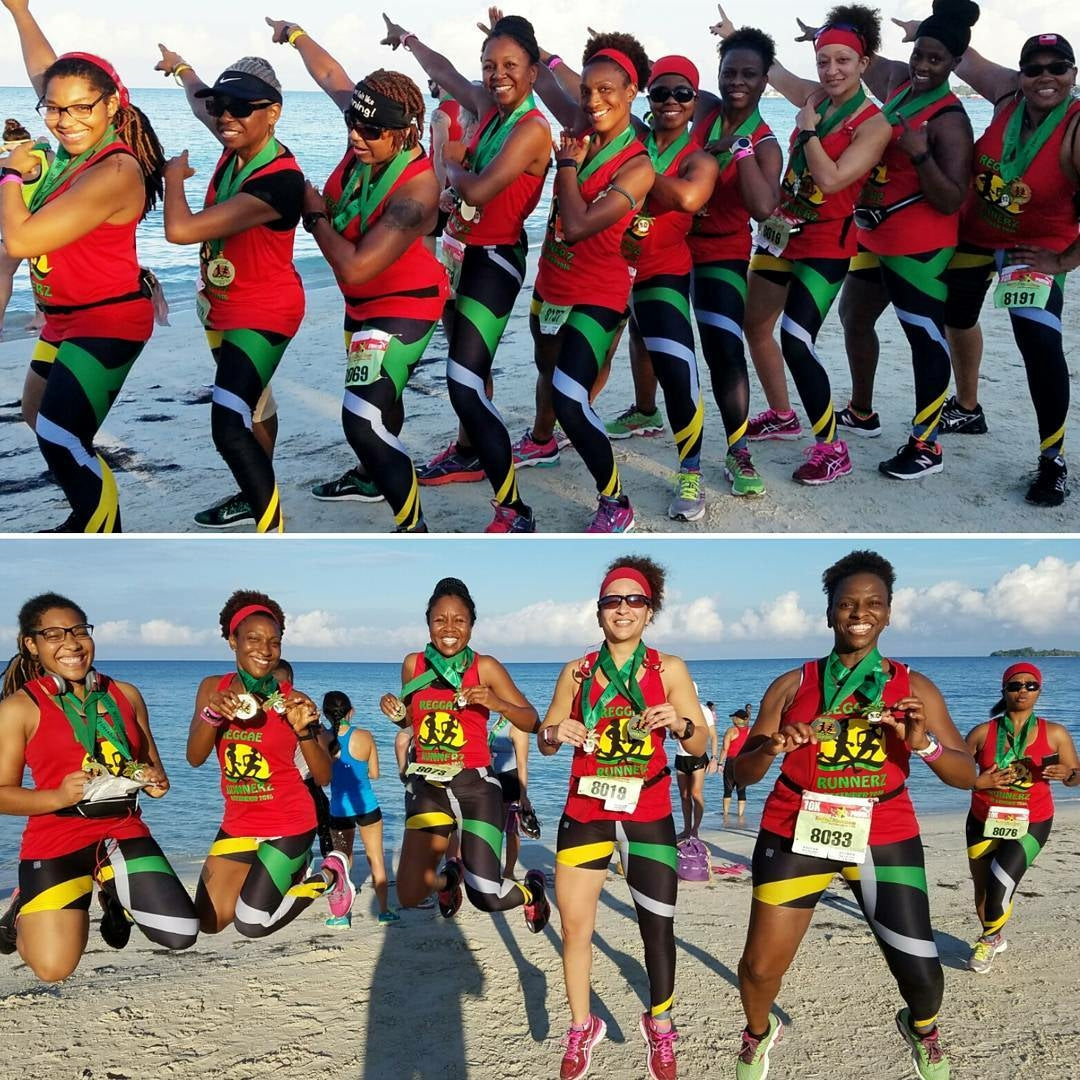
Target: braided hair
[
  {"x": 400, "y": 88},
  {"x": 24, "y": 667},
  {"x": 243, "y": 598},
  {"x": 626, "y": 43}
]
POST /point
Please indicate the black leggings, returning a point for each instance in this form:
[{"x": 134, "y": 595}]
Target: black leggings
[
  {"x": 246, "y": 361},
  {"x": 729, "y": 781},
  {"x": 890, "y": 887},
  {"x": 84, "y": 376},
  {"x": 719, "y": 291},
  {"x": 472, "y": 801},
  {"x": 650, "y": 860}
]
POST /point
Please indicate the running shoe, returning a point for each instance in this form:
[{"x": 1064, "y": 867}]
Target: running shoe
[
  {"x": 387, "y": 917},
  {"x": 661, "y": 1056},
  {"x": 450, "y": 897},
  {"x": 983, "y": 952},
  {"x": 868, "y": 425},
  {"x": 1049, "y": 487},
  {"x": 530, "y": 824},
  {"x": 689, "y": 501},
  {"x": 339, "y": 922},
  {"x": 115, "y": 923},
  {"x": 419, "y": 527},
  {"x": 753, "y": 1060},
  {"x": 562, "y": 440},
  {"x": 233, "y": 510},
  {"x": 8, "y": 930},
  {"x": 956, "y": 420},
  {"x": 912, "y": 460},
  {"x": 612, "y": 515},
  {"x": 744, "y": 478},
  {"x": 342, "y": 891},
  {"x": 452, "y": 466},
  {"x": 773, "y": 425},
  {"x": 350, "y": 486},
  {"x": 528, "y": 452},
  {"x": 509, "y": 520},
  {"x": 633, "y": 421},
  {"x": 578, "y": 1044},
  {"x": 825, "y": 462},
  {"x": 537, "y": 910},
  {"x": 931, "y": 1061}
]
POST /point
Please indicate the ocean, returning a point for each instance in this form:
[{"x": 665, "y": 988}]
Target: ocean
[{"x": 184, "y": 822}]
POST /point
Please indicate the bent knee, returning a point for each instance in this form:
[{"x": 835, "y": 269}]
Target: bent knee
[
  {"x": 51, "y": 969},
  {"x": 760, "y": 969}
]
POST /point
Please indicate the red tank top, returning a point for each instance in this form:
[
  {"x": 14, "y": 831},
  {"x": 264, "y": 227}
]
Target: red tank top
[
  {"x": 742, "y": 734},
  {"x": 869, "y": 763},
  {"x": 1031, "y": 790},
  {"x": 415, "y": 285},
  {"x": 1037, "y": 209},
  {"x": 655, "y": 241},
  {"x": 501, "y": 220},
  {"x": 918, "y": 227},
  {"x": 616, "y": 756},
  {"x": 443, "y": 733},
  {"x": 89, "y": 272},
  {"x": 721, "y": 228},
  {"x": 51, "y": 754},
  {"x": 267, "y": 293},
  {"x": 570, "y": 273},
  {"x": 455, "y": 132},
  {"x": 264, "y": 793}
]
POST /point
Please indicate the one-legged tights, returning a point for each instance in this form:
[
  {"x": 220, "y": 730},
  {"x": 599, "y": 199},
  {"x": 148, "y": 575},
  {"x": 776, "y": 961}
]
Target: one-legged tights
[
  {"x": 246, "y": 361},
  {"x": 890, "y": 887},
  {"x": 84, "y": 376},
  {"x": 649, "y": 859},
  {"x": 473, "y": 803},
  {"x": 491, "y": 278},
  {"x": 133, "y": 872},
  {"x": 719, "y": 290},
  {"x": 584, "y": 341},
  {"x": 813, "y": 285},
  {"x": 660, "y": 308},
  {"x": 366, "y": 408},
  {"x": 1037, "y": 332},
  {"x": 276, "y": 888},
  {"x": 1008, "y": 862}
]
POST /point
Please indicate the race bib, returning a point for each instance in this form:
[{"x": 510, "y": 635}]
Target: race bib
[
  {"x": 1022, "y": 287},
  {"x": 364, "y": 361},
  {"x": 552, "y": 317},
  {"x": 451, "y": 255},
  {"x": 618, "y": 794},
  {"x": 774, "y": 233},
  {"x": 438, "y": 774},
  {"x": 202, "y": 305},
  {"x": 833, "y": 827},
  {"x": 1006, "y": 822}
]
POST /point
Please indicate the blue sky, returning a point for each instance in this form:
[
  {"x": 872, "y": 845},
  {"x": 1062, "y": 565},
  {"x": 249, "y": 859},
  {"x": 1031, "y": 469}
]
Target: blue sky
[{"x": 364, "y": 599}]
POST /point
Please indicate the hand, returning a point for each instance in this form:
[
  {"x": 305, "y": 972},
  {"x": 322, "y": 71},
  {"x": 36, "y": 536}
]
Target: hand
[
  {"x": 1057, "y": 772},
  {"x": 569, "y": 731},
  {"x": 314, "y": 202},
  {"x": 664, "y": 716},
  {"x": 712, "y": 767},
  {"x": 15, "y": 6},
  {"x": 20, "y": 158},
  {"x": 454, "y": 151},
  {"x": 994, "y": 779},
  {"x": 394, "y": 33},
  {"x": 72, "y": 788},
  {"x": 483, "y": 696},
  {"x": 177, "y": 169},
  {"x": 447, "y": 201},
  {"x": 721, "y": 145},
  {"x": 169, "y": 61},
  {"x": 789, "y": 737},
  {"x": 808, "y": 32},
  {"x": 910, "y": 725},
  {"x": 570, "y": 146},
  {"x": 494, "y": 15},
  {"x": 157, "y": 783},
  {"x": 391, "y": 706},
  {"x": 909, "y": 26},
  {"x": 591, "y": 32},
  {"x": 282, "y": 28},
  {"x": 1046, "y": 262},
  {"x": 725, "y": 27},
  {"x": 224, "y": 703},
  {"x": 808, "y": 118},
  {"x": 914, "y": 141},
  {"x": 300, "y": 711}
]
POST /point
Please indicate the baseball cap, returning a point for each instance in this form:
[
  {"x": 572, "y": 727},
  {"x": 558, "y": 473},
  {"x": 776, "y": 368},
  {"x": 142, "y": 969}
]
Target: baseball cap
[
  {"x": 251, "y": 78},
  {"x": 1047, "y": 43}
]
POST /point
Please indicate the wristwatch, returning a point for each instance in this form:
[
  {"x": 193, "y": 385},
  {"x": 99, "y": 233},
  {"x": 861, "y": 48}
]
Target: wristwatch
[
  {"x": 931, "y": 751},
  {"x": 687, "y": 731},
  {"x": 743, "y": 144},
  {"x": 309, "y": 220}
]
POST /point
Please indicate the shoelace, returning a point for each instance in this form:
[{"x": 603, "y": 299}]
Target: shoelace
[
  {"x": 742, "y": 459},
  {"x": 689, "y": 485},
  {"x": 818, "y": 453},
  {"x": 575, "y": 1037},
  {"x": 932, "y": 1045},
  {"x": 664, "y": 1043},
  {"x": 749, "y": 1048}
]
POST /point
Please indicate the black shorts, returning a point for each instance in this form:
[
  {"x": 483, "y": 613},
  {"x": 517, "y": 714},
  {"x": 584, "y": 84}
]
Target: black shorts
[
  {"x": 510, "y": 784},
  {"x": 687, "y": 763},
  {"x": 352, "y": 820}
]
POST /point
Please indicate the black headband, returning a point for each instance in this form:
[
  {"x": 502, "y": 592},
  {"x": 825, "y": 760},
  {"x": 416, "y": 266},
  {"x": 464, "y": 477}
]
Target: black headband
[{"x": 368, "y": 106}]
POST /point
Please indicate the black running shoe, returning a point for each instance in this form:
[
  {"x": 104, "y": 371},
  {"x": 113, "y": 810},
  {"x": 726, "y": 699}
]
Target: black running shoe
[
  {"x": 232, "y": 510},
  {"x": 450, "y": 897},
  {"x": 956, "y": 420},
  {"x": 1049, "y": 487},
  {"x": 867, "y": 426},
  {"x": 115, "y": 926},
  {"x": 350, "y": 486},
  {"x": 537, "y": 910},
  {"x": 529, "y": 823},
  {"x": 7, "y": 925},
  {"x": 914, "y": 459}
]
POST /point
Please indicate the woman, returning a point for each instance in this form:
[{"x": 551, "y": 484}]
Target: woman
[
  {"x": 370, "y": 222},
  {"x": 804, "y": 247},
  {"x": 734, "y": 739},
  {"x": 79, "y": 234},
  {"x": 849, "y": 723},
  {"x": 447, "y": 695},
  {"x": 1012, "y": 808},
  {"x": 353, "y": 803},
  {"x": 250, "y": 299},
  {"x": 615, "y": 708},
  {"x": 497, "y": 180},
  {"x": 256, "y": 874},
  {"x": 72, "y": 837}
]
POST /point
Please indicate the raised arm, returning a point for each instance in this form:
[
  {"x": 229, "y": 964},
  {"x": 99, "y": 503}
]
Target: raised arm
[
  {"x": 327, "y": 72},
  {"x": 172, "y": 63},
  {"x": 38, "y": 54},
  {"x": 564, "y": 103}
]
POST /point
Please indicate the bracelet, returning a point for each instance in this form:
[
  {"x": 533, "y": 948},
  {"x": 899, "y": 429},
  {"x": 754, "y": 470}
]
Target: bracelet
[
  {"x": 546, "y": 735},
  {"x": 743, "y": 154},
  {"x": 309, "y": 733},
  {"x": 937, "y": 750},
  {"x": 921, "y": 159},
  {"x": 405, "y": 41},
  {"x": 309, "y": 221},
  {"x": 553, "y": 62},
  {"x": 294, "y": 35},
  {"x": 208, "y": 716},
  {"x": 565, "y": 163},
  {"x": 178, "y": 70}
]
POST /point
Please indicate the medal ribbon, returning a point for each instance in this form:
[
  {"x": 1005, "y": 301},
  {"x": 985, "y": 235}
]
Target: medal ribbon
[
  {"x": 262, "y": 688},
  {"x": 1010, "y": 747},
  {"x": 371, "y": 196},
  {"x": 621, "y": 681},
  {"x": 797, "y": 162},
  {"x": 86, "y": 722},
  {"x": 497, "y": 729},
  {"x": 662, "y": 161},
  {"x": 1015, "y": 158},
  {"x": 495, "y": 134},
  {"x": 451, "y": 669},
  {"x": 232, "y": 181},
  {"x": 865, "y": 678},
  {"x": 746, "y": 128},
  {"x": 64, "y": 165},
  {"x": 616, "y": 146},
  {"x": 904, "y": 105}
]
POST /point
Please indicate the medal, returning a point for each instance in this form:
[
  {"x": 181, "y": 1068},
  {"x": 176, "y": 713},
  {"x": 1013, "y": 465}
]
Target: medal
[
  {"x": 276, "y": 701},
  {"x": 399, "y": 714},
  {"x": 825, "y": 728},
  {"x": 220, "y": 272},
  {"x": 460, "y": 700},
  {"x": 637, "y": 728},
  {"x": 467, "y": 212},
  {"x": 246, "y": 707},
  {"x": 873, "y": 715},
  {"x": 589, "y": 745}
]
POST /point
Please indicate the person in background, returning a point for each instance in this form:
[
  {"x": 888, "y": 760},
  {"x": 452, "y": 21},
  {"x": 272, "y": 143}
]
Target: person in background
[
  {"x": 734, "y": 738},
  {"x": 691, "y": 770}
]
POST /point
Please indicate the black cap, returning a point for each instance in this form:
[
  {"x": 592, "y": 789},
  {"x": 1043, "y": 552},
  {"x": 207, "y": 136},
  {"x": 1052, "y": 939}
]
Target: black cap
[
  {"x": 241, "y": 86},
  {"x": 740, "y": 713},
  {"x": 1054, "y": 43}
]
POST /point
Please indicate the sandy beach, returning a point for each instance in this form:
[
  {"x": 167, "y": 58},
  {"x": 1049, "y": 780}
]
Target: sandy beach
[
  {"x": 478, "y": 996},
  {"x": 157, "y": 439}
]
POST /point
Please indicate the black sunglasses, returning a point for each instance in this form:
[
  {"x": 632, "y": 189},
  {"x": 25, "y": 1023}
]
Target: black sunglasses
[
  {"x": 238, "y": 110},
  {"x": 682, "y": 94},
  {"x": 613, "y": 601},
  {"x": 1016, "y": 687},
  {"x": 1055, "y": 67}
]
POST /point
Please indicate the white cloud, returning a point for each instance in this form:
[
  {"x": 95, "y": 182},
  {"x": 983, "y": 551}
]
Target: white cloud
[
  {"x": 1037, "y": 597},
  {"x": 116, "y": 631},
  {"x": 164, "y": 633}
]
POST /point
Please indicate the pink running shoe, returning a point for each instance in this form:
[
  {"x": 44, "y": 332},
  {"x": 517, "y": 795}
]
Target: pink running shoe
[
  {"x": 508, "y": 520},
  {"x": 825, "y": 462},
  {"x": 661, "y": 1044},
  {"x": 612, "y": 516},
  {"x": 579, "y": 1043},
  {"x": 528, "y": 452},
  {"x": 771, "y": 425},
  {"x": 342, "y": 891}
]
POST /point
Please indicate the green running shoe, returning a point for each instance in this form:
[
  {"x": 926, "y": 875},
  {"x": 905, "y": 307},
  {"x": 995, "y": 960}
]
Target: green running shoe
[
  {"x": 232, "y": 510},
  {"x": 753, "y": 1060},
  {"x": 350, "y": 486},
  {"x": 743, "y": 476},
  {"x": 339, "y": 922},
  {"x": 633, "y": 421},
  {"x": 931, "y": 1062}
]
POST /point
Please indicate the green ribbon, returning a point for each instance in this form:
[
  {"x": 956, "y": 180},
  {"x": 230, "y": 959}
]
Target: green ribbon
[
  {"x": 797, "y": 162},
  {"x": 840, "y": 682},
  {"x": 604, "y": 155},
  {"x": 496, "y": 133},
  {"x": 263, "y": 687},
  {"x": 1012, "y": 744},
  {"x": 233, "y": 180},
  {"x": 903, "y": 105},
  {"x": 662, "y": 161},
  {"x": 360, "y": 197},
  {"x": 86, "y": 722},
  {"x": 746, "y": 128},
  {"x": 451, "y": 669},
  {"x": 621, "y": 681},
  {"x": 64, "y": 166},
  {"x": 1016, "y": 157},
  {"x": 497, "y": 729}
]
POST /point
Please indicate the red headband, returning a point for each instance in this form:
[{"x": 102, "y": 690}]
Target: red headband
[
  {"x": 244, "y": 612},
  {"x": 840, "y": 35},
  {"x": 621, "y": 572},
  {"x": 616, "y": 56},
  {"x": 676, "y": 65},
  {"x": 99, "y": 62},
  {"x": 1015, "y": 669}
]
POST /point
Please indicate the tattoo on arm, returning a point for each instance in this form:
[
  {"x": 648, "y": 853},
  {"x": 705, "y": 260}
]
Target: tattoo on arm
[{"x": 404, "y": 215}]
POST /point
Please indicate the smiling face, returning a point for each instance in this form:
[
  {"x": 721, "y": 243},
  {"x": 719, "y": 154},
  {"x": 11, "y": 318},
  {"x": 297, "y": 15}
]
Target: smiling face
[
  {"x": 1045, "y": 91},
  {"x": 507, "y": 71},
  {"x": 624, "y": 623},
  {"x": 742, "y": 79},
  {"x": 606, "y": 95},
  {"x": 73, "y": 657},
  {"x": 248, "y": 133},
  {"x": 450, "y": 625},
  {"x": 257, "y": 644},
  {"x": 672, "y": 115},
  {"x": 840, "y": 69},
  {"x": 930, "y": 64},
  {"x": 78, "y": 134},
  {"x": 859, "y": 612}
]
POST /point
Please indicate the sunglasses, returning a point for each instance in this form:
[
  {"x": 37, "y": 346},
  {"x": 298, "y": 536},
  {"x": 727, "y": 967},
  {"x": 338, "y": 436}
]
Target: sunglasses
[
  {"x": 1016, "y": 687},
  {"x": 613, "y": 601},
  {"x": 238, "y": 110},
  {"x": 55, "y": 634},
  {"x": 1055, "y": 67},
  {"x": 682, "y": 94}
]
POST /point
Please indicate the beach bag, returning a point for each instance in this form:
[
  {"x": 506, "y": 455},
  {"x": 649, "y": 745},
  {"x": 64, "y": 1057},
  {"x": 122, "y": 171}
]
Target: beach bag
[{"x": 693, "y": 860}]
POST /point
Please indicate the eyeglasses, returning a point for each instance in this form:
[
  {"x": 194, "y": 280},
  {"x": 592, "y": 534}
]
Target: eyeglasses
[
  {"x": 1055, "y": 67},
  {"x": 79, "y": 111},
  {"x": 238, "y": 110},
  {"x": 613, "y": 601},
  {"x": 1016, "y": 687},
  {"x": 55, "y": 634},
  {"x": 682, "y": 94}
]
